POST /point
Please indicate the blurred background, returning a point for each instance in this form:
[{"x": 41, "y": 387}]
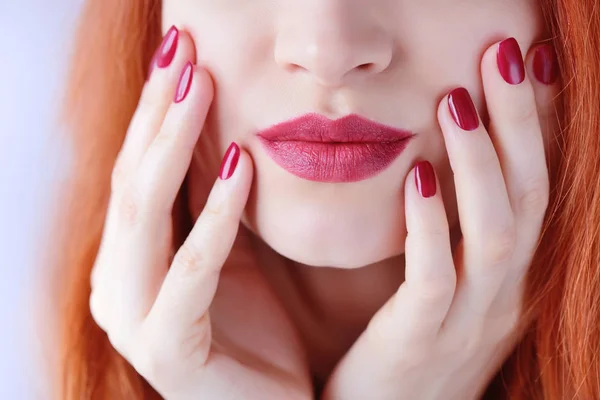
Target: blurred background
[{"x": 35, "y": 49}]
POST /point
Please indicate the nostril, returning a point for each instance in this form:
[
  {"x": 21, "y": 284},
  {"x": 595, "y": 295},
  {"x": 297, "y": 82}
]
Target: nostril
[{"x": 291, "y": 67}]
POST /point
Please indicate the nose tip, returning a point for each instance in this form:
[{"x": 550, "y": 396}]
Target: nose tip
[
  {"x": 335, "y": 67},
  {"x": 334, "y": 56}
]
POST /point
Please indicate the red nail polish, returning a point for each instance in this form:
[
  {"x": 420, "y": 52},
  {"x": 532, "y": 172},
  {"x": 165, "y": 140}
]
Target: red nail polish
[
  {"x": 545, "y": 64},
  {"x": 510, "y": 61},
  {"x": 166, "y": 51},
  {"x": 425, "y": 179},
  {"x": 462, "y": 109},
  {"x": 230, "y": 161},
  {"x": 185, "y": 82}
]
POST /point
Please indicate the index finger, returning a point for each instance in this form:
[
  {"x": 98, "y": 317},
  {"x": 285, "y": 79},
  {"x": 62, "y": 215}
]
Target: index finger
[{"x": 191, "y": 282}]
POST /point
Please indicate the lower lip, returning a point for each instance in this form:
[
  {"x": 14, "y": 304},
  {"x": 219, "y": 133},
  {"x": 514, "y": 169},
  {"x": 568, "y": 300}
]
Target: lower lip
[{"x": 334, "y": 162}]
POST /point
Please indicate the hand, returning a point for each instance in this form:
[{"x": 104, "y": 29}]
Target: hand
[
  {"x": 157, "y": 317},
  {"x": 455, "y": 319}
]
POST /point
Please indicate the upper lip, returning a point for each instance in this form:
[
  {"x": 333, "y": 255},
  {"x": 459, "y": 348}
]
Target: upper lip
[{"x": 318, "y": 128}]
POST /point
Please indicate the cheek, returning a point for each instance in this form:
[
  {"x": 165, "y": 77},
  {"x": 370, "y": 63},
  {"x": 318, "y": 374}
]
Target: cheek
[
  {"x": 235, "y": 71},
  {"x": 449, "y": 48}
]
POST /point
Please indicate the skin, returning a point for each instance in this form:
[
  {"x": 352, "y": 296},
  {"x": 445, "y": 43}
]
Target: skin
[{"x": 389, "y": 295}]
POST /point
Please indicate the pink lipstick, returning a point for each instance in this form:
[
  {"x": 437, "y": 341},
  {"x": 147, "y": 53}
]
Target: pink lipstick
[{"x": 347, "y": 149}]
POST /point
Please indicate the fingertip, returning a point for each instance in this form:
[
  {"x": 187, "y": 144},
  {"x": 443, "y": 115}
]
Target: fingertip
[
  {"x": 236, "y": 172},
  {"x": 425, "y": 179},
  {"x": 236, "y": 163},
  {"x": 205, "y": 81},
  {"x": 542, "y": 65},
  {"x": 447, "y": 126},
  {"x": 423, "y": 201},
  {"x": 187, "y": 45},
  {"x": 415, "y": 183},
  {"x": 442, "y": 111},
  {"x": 421, "y": 182},
  {"x": 410, "y": 190}
]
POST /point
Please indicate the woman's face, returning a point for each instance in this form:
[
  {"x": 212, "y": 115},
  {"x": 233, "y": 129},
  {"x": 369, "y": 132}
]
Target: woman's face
[{"x": 389, "y": 61}]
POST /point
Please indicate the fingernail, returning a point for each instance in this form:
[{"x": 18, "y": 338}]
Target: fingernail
[
  {"x": 510, "y": 61},
  {"x": 425, "y": 179},
  {"x": 230, "y": 161},
  {"x": 166, "y": 50},
  {"x": 185, "y": 82},
  {"x": 462, "y": 109},
  {"x": 545, "y": 64}
]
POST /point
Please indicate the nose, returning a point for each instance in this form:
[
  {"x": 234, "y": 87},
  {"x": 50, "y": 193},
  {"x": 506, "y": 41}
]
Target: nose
[{"x": 334, "y": 41}]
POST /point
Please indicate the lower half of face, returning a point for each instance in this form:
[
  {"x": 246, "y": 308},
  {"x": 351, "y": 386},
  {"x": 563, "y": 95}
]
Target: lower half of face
[{"x": 320, "y": 93}]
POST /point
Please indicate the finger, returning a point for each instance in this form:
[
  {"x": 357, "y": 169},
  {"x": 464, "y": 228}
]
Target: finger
[
  {"x": 430, "y": 278},
  {"x": 516, "y": 133},
  {"x": 541, "y": 63},
  {"x": 140, "y": 215},
  {"x": 168, "y": 157},
  {"x": 190, "y": 284},
  {"x": 542, "y": 66},
  {"x": 542, "y": 70},
  {"x": 486, "y": 217},
  {"x": 402, "y": 332},
  {"x": 176, "y": 49}
]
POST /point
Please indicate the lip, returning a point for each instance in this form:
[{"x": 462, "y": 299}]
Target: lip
[{"x": 347, "y": 149}]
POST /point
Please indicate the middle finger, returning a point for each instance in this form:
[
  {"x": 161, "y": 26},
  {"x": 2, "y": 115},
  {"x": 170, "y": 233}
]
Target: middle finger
[{"x": 486, "y": 216}]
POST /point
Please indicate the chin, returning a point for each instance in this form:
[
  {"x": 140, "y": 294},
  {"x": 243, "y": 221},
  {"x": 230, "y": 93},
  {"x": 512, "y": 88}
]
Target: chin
[{"x": 325, "y": 230}]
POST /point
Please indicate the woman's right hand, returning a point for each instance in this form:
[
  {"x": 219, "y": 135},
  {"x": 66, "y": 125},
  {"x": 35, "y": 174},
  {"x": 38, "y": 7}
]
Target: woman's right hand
[{"x": 156, "y": 310}]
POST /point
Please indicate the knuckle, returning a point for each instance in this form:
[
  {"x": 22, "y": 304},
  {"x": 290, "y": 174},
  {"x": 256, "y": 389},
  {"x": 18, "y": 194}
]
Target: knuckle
[
  {"x": 535, "y": 199},
  {"x": 428, "y": 232},
  {"x": 435, "y": 290},
  {"x": 188, "y": 259},
  {"x": 499, "y": 247},
  {"x": 150, "y": 101},
  {"x": 151, "y": 362},
  {"x": 119, "y": 174},
  {"x": 162, "y": 140},
  {"x": 158, "y": 356},
  {"x": 481, "y": 159},
  {"x": 378, "y": 329},
  {"x": 213, "y": 211},
  {"x": 465, "y": 345},
  {"x": 129, "y": 205},
  {"x": 524, "y": 112}
]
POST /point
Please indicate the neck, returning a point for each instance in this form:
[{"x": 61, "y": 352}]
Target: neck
[
  {"x": 331, "y": 307},
  {"x": 344, "y": 300}
]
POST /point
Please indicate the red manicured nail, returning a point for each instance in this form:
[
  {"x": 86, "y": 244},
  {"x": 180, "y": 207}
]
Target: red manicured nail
[
  {"x": 166, "y": 51},
  {"x": 545, "y": 64},
  {"x": 425, "y": 179},
  {"x": 230, "y": 161},
  {"x": 185, "y": 82},
  {"x": 510, "y": 61},
  {"x": 462, "y": 109}
]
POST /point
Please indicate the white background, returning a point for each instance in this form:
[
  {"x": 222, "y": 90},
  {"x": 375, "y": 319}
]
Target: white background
[{"x": 34, "y": 49}]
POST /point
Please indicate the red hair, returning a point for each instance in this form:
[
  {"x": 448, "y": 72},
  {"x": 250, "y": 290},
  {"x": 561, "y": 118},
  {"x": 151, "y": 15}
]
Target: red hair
[{"x": 557, "y": 358}]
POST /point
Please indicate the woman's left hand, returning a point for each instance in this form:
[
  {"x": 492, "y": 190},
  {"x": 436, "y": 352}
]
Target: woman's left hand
[{"x": 455, "y": 319}]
